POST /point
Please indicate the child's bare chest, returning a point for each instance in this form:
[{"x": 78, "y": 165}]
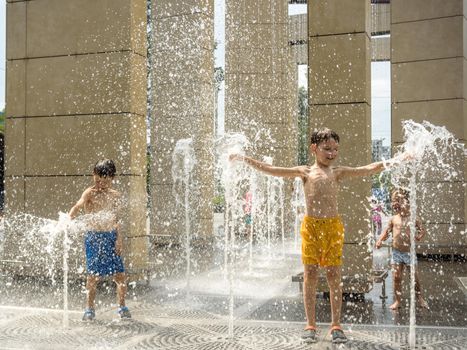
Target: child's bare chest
[
  {"x": 321, "y": 194},
  {"x": 322, "y": 183},
  {"x": 100, "y": 201},
  {"x": 401, "y": 228}
]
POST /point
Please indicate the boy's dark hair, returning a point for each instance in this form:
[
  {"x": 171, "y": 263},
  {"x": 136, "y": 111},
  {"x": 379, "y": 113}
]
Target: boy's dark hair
[
  {"x": 322, "y": 135},
  {"x": 401, "y": 193},
  {"x": 105, "y": 168}
]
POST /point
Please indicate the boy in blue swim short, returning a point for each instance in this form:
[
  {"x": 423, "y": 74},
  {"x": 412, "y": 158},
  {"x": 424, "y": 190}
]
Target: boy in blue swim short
[
  {"x": 322, "y": 229},
  {"x": 399, "y": 226},
  {"x": 103, "y": 241}
]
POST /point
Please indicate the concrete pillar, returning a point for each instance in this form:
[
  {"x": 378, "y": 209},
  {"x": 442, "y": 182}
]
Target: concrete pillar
[
  {"x": 339, "y": 97},
  {"x": 76, "y": 93},
  {"x": 182, "y": 107},
  {"x": 257, "y": 59},
  {"x": 429, "y": 82},
  {"x": 259, "y": 102}
]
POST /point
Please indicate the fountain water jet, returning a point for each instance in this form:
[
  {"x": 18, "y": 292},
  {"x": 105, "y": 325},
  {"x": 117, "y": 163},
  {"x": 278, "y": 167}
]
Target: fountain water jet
[
  {"x": 233, "y": 176},
  {"x": 433, "y": 149},
  {"x": 298, "y": 201},
  {"x": 183, "y": 162}
]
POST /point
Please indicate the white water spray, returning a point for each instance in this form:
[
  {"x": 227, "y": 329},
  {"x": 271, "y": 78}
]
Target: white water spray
[
  {"x": 183, "y": 162},
  {"x": 298, "y": 203},
  {"x": 434, "y": 150},
  {"x": 233, "y": 177}
]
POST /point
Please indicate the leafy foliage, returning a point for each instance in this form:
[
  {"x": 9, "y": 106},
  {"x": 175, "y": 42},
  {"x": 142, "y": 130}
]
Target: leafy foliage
[{"x": 2, "y": 120}]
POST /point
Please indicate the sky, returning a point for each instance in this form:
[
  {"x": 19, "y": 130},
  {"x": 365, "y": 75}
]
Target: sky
[
  {"x": 381, "y": 101},
  {"x": 380, "y": 87}
]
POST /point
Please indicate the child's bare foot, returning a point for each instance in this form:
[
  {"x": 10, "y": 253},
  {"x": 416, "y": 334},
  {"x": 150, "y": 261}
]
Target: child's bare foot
[
  {"x": 422, "y": 303},
  {"x": 395, "y": 306}
]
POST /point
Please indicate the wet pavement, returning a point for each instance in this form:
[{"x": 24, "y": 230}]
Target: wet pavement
[
  {"x": 170, "y": 327},
  {"x": 268, "y": 310}
]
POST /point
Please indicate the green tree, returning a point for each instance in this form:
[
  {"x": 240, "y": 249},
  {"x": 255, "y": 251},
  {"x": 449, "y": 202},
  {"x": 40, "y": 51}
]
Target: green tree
[
  {"x": 303, "y": 129},
  {"x": 2, "y": 120},
  {"x": 381, "y": 183}
]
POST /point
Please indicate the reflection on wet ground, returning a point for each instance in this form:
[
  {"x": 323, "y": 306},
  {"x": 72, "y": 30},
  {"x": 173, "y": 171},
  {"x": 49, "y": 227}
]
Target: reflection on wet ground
[{"x": 446, "y": 299}]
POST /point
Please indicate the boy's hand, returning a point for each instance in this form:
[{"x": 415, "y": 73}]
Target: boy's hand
[
  {"x": 406, "y": 156},
  {"x": 235, "y": 156},
  {"x": 418, "y": 238},
  {"x": 378, "y": 244},
  {"x": 118, "y": 247}
]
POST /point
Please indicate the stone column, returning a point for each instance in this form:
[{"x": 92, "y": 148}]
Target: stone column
[
  {"x": 429, "y": 82},
  {"x": 339, "y": 97},
  {"x": 259, "y": 102},
  {"x": 76, "y": 93},
  {"x": 182, "y": 107},
  {"x": 257, "y": 68}
]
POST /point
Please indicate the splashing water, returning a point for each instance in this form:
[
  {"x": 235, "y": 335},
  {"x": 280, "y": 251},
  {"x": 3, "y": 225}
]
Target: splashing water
[
  {"x": 275, "y": 213},
  {"x": 435, "y": 153},
  {"x": 282, "y": 219},
  {"x": 42, "y": 242},
  {"x": 298, "y": 204},
  {"x": 255, "y": 197},
  {"x": 183, "y": 163},
  {"x": 233, "y": 178},
  {"x": 63, "y": 226}
]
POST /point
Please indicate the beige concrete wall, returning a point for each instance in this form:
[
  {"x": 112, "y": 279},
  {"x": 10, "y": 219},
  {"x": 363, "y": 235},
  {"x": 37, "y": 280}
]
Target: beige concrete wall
[
  {"x": 258, "y": 73},
  {"x": 183, "y": 107},
  {"x": 429, "y": 55},
  {"x": 339, "y": 97},
  {"x": 76, "y": 93},
  {"x": 260, "y": 80}
]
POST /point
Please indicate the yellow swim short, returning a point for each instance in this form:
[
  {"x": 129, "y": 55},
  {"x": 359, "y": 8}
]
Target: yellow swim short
[{"x": 322, "y": 241}]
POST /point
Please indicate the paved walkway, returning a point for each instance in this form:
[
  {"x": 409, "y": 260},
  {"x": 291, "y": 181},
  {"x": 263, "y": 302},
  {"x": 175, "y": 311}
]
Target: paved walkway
[
  {"x": 170, "y": 327},
  {"x": 268, "y": 311}
]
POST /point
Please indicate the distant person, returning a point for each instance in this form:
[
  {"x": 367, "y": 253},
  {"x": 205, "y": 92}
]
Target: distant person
[
  {"x": 103, "y": 241},
  {"x": 399, "y": 226},
  {"x": 322, "y": 229},
  {"x": 376, "y": 217},
  {"x": 247, "y": 207}
]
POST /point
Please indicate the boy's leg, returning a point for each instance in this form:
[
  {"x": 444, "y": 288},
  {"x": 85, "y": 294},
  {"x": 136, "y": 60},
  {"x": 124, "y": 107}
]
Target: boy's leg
[
  {"x": 310, "y": 281},
  {"x": 418, "y": 291},
  {"x": 91, "y": 283},
  {"x": 333, "y": 275},
  {"x": 120, "y": 281},
  {"x": 397, "y": 271}
]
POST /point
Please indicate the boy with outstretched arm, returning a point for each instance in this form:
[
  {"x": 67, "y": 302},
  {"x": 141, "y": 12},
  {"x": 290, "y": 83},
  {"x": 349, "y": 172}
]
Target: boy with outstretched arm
[
  {"x": 103, "y": 241},
  {"x": 322, "y": 230},
  {"x": 399, "y": 227}
]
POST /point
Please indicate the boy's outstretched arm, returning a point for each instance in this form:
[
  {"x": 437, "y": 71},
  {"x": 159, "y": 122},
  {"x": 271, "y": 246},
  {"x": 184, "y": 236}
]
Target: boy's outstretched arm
[
  {"x": 384, "y": 236},
  {"x": 298, "y": 171},
  {"x": 79, "y": 204},
  {"x": 370, "y": 169}
]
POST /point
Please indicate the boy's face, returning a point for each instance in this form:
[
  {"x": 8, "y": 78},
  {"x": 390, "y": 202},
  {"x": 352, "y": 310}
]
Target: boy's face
[
  {"x": 325, "y": 152},
  {"x": 399, "y": 203},
  {"x": 102, "y": 183}
]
